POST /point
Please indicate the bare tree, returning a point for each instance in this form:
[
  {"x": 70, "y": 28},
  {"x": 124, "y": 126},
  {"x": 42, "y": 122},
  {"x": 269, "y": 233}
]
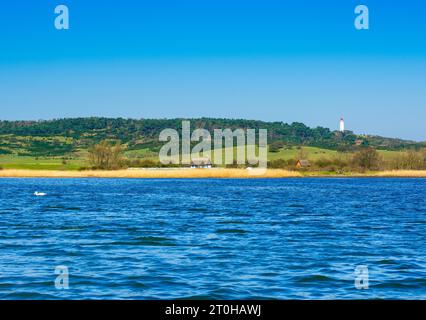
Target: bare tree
[
  {"x": 367, "y": 159},
  {"x": 411, "y": 160},
  {"x": 106, "y": 156}
]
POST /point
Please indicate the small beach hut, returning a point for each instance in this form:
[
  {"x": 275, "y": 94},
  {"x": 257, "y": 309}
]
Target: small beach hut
[{"x": 302, "y": 163}]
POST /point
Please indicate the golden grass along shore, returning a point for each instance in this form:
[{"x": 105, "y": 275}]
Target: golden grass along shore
[
  {"x": 196, "y": 173},
  {"x": 401, "y": 173},
  {"x": 149, "y": 173}
]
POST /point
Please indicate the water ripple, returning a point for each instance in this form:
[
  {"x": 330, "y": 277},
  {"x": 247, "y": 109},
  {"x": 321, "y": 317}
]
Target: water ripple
[{"x": 213, "y": 238}]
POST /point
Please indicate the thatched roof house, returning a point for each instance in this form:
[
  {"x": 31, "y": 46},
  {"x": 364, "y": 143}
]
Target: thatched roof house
[
  {"x": 201, "y": 163},
  {"x": 303, "y": 163}
]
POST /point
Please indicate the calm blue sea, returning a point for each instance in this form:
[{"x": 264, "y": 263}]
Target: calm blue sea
[{"x": 213, "y": 238}]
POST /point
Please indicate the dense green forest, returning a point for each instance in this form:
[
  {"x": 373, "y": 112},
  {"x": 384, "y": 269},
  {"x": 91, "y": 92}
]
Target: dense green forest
[{"x": 61, "y": 137}]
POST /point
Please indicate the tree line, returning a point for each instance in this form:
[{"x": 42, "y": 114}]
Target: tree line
[{"x": 144, "y": 133}]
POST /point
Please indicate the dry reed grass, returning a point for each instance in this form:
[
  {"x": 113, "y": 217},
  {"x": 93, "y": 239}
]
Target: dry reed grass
[
  {"x": 150, "y": 173},
  {"x": 194, "y": 173},
  {"x": 401, "y": 173}
]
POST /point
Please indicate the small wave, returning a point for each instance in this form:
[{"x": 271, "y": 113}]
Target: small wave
[
  {"x": 72, "y": 208},
  {"x": 60, "y": 208},
  {"x": 296, "y": 205},
  {"x": 235, "y": 231},
  {"x": 386, "y": 261},
  {"x": 232, "y": 222},
  {"x": 71, "y": 228},
  {"x": 28, "y": 296},
  {"x": 314, "y": 278},
  {"x": 412, "y": 283},
  {"x": 197, "y": 210},
  {"x": 196, "y": 297},
  {"x": 147, "y": 241}
]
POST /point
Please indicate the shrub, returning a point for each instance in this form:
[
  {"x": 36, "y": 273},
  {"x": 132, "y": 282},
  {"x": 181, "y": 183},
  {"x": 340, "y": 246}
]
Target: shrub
[
  {"x": 146, "y": 163},
  {"x": 367, "y": 159},
  {"x": 276, "y": 146},
  {"x": 105, "y": 156},
  {"x": 323, "y": 163},
  {"x": 277, "y": 164}
]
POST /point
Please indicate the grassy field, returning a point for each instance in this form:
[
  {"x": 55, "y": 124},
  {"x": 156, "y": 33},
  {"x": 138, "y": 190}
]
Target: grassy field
[
  {"x": 78, "y": 161},
  {"x": 140, "y": 153},
  {"x": 33, "y": 163},
  {"x": 313, "y": 154}
]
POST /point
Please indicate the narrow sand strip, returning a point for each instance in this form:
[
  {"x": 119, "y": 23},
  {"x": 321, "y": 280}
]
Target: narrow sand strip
[
  {"x": 197, "y": 173},
  {"x": 151, "y": 173}
]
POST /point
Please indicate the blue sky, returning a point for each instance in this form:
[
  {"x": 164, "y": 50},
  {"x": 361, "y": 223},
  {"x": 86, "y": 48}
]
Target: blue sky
[{"x": 270, "y": 60}]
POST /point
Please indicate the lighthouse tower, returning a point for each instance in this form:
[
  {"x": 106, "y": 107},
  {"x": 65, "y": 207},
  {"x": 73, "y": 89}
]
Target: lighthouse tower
[{"x": 342, "y": 125}]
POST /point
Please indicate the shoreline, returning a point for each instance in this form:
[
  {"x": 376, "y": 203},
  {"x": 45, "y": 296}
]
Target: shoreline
[{"x": 151, "y": 173}]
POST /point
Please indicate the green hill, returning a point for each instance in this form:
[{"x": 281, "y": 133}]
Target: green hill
[
  {"x": 67, "y": 137},
  {"x": 63, "y": 143}
]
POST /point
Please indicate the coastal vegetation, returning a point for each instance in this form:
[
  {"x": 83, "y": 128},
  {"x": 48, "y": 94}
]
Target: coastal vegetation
[{"x": 87, "y": 144}]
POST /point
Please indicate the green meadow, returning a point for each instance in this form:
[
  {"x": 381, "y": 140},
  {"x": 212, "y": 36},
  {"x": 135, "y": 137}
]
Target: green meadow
[
  {"x": 40, "y": 163},
  {"x": 79, "y": 160}
]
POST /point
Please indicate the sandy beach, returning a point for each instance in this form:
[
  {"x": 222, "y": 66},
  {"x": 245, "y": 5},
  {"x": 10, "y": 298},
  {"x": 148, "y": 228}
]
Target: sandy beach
[
  {"x": 150, "y": 173},
  {"x": 197, "y": 173}
]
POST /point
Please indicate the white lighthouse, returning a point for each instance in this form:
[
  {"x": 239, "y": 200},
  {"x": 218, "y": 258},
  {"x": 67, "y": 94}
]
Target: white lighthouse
[{"x": 342, "y": 125}]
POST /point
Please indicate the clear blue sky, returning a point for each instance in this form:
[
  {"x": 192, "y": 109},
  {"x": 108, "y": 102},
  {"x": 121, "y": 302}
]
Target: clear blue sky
[{"x": 256, "y": 59}]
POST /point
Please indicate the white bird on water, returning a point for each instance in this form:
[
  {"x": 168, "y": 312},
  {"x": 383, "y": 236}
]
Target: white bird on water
[{"x": 39, "y": 194}]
